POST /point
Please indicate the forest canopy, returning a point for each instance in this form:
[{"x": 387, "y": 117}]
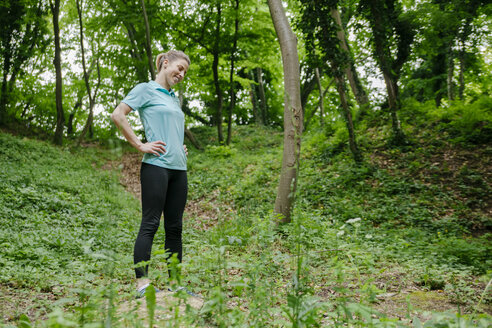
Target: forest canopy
[{"x": 356, "y": 57}]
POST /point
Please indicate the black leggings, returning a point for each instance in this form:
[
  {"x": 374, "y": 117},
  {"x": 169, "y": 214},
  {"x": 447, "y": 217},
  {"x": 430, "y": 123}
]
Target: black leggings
[{"x": 163, "y": 190}]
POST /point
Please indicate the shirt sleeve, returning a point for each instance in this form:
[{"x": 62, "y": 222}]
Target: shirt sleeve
[{"x": 136, "y": 98}]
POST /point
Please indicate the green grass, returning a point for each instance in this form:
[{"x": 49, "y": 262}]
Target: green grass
[{"x": 358, "y": 232}]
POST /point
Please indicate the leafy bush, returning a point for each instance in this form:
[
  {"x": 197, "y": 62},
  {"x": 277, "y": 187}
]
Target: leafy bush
[{"x": 461, "y": 121}]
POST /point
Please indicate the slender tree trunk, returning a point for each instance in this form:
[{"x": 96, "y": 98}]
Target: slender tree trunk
[
  {"x": 92, "y": 102},
  {"x": 92, "y": 97},
  {"x": 148, "y": 47},
  {"x": 320, "y": 89},
  {"x": 188, "y": 133},
  {"x": 293, "y": 119},
  {"x": 390, "y": 79},
  {"x": 192, "y": 139},
  {"x": 307, "y": 87},
  {"x": 350, "y": 71},
  {"x": 310, "y": 117},
  {"x": 77, "y": 105},
  {"x": 461, "y": 58},
  {"x": 450, "y": 84},
  {"x": 261, "y": 92},
  {"x": 215, "y": 69},
  {"x": 70, "y": 123},
  {"x": 232, "y": 92},
  {"x": 393, "y": 102},
  {"x": 4, "y": 96},
  {"x": 463, "y": 36},
  {"x": 254, "y": 101},
  {"x": 135, "y": 53},
  {"x": 26, "y": 107},
  {"x": 60, "y": 117},
  {"x": 340, "y": 83}
]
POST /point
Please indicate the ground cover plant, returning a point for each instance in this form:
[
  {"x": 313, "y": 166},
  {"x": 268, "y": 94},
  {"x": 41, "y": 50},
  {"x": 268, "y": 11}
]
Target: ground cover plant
[{"x": 396, "y": 241}]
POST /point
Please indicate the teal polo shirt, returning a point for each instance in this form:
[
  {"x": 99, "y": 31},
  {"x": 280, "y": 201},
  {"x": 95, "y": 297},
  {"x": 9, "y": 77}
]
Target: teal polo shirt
[{"x": 162, "y": 118}]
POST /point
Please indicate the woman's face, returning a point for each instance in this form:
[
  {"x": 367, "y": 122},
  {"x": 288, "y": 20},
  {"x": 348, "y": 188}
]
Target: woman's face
[{"x": 174, "y": 71}]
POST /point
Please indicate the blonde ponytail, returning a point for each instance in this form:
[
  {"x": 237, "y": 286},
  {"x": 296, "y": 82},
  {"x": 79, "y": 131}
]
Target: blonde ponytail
[{"x": 171, "y": 56}]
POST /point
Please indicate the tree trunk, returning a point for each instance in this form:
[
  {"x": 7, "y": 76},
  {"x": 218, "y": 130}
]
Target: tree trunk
[
  {"x": 293, "y": 119},
  {"x": 4, "y": 96},
  {"x": 254, "y": 101},
  {"x": 232, "y": 92},
  {"x": 389, "y": 74},
  {"x": 192, "y": 139},
  {"x": 90, "y": 118},
  {"x": 393, "y": 102},
  {"x": 340, "y": 83},
  {"x": 261, "y": 92},
  {"x": 450, "y": 83},
  {"x": 148, "y": 47},
  {"x": 321, "y": 94},
  {"x": 307, "y": 87},
  {"x": 187, "y": 132},
  {"x": 310, "y": 117},
  {"x": 92, "y": 102},
  {"x": 134, "y": 49},
  {"x": 461, "y": 88},
  {"x": 70, "y": 124},
  {"x": 215, "y": 69},
  {"x": 72, "y": 115},
  {"x": 60, "y": 117},
  {"x": 352, "y": 76}
]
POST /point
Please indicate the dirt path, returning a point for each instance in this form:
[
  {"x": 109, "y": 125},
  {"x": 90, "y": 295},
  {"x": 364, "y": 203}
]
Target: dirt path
[{"x": 167, "y": 307}]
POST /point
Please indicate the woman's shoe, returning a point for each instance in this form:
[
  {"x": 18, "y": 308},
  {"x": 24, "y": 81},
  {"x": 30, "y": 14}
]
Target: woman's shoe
[
  {"x": 185, "y": 289},
  {"x": 141, "y": 291}
]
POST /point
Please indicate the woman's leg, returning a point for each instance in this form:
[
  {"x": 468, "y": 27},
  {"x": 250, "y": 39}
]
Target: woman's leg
[
  {"x": 177, "y": 193},
  {"x": 154, "y": 182}
]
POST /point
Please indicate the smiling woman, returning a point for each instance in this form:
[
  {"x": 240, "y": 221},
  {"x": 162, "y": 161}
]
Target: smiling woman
[{"x": 163, "y": 175}]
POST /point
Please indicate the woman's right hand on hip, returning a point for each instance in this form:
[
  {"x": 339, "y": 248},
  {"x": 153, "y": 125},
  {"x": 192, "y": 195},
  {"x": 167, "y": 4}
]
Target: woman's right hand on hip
[{"x": 155, "y": 147}]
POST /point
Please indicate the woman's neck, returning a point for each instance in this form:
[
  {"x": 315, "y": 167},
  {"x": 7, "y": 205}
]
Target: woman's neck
[{"x": 162, "y": 81}]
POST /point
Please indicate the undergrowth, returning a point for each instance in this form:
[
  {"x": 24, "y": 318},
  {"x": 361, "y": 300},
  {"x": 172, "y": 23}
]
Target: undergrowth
[{"x": 362, "y": 237}]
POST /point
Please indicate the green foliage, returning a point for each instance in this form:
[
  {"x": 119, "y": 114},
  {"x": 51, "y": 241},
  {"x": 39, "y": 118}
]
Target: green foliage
[
  {"x": 220, "y": 151},
  {"x": 358, "y": 233},
  {"x": 460, "y": 121},
  {"x": 56, "y": 211}
]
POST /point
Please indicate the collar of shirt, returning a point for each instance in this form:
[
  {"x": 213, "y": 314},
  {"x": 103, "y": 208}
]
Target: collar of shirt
[{"x": 161, "y": 88}]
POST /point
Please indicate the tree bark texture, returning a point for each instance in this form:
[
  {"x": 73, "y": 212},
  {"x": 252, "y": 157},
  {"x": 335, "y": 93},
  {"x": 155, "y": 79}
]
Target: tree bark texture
[
  {"x": 450, "y": 83},
  {"x": 16, "y": 51},
  {"x": 340, "y": 83},
  {"x": 261, "y": 93},
  {"x": 461, "y": 58},
  {"x": 384, "y": 18},
  {"x": 293, "y": 119},
  {"x": 391, "y": 84},
  {"x": 215, "y": 69},
  {"x": 4, "y": 96},
  {"x": 352, "y": 76},
  {"x": 311, "y": 115},
  {"x": 148, "y": 46},
  {"x": 192, "y": 139},
  {"x": 91, "y": 96},
  {"x": 306, "y": 88},
  {"x": 60, "y": 117},
  {"x": 232, "y": 102},
  {"x": 136, "y": 49},
  {"x": 321, "y": 95},
  {"x": 254, "y": 101},
  {"x": 188, "y": 133}
]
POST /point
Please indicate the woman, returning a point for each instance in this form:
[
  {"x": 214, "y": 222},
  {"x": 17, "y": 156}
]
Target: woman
[{"x": 163, "y": 175}]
